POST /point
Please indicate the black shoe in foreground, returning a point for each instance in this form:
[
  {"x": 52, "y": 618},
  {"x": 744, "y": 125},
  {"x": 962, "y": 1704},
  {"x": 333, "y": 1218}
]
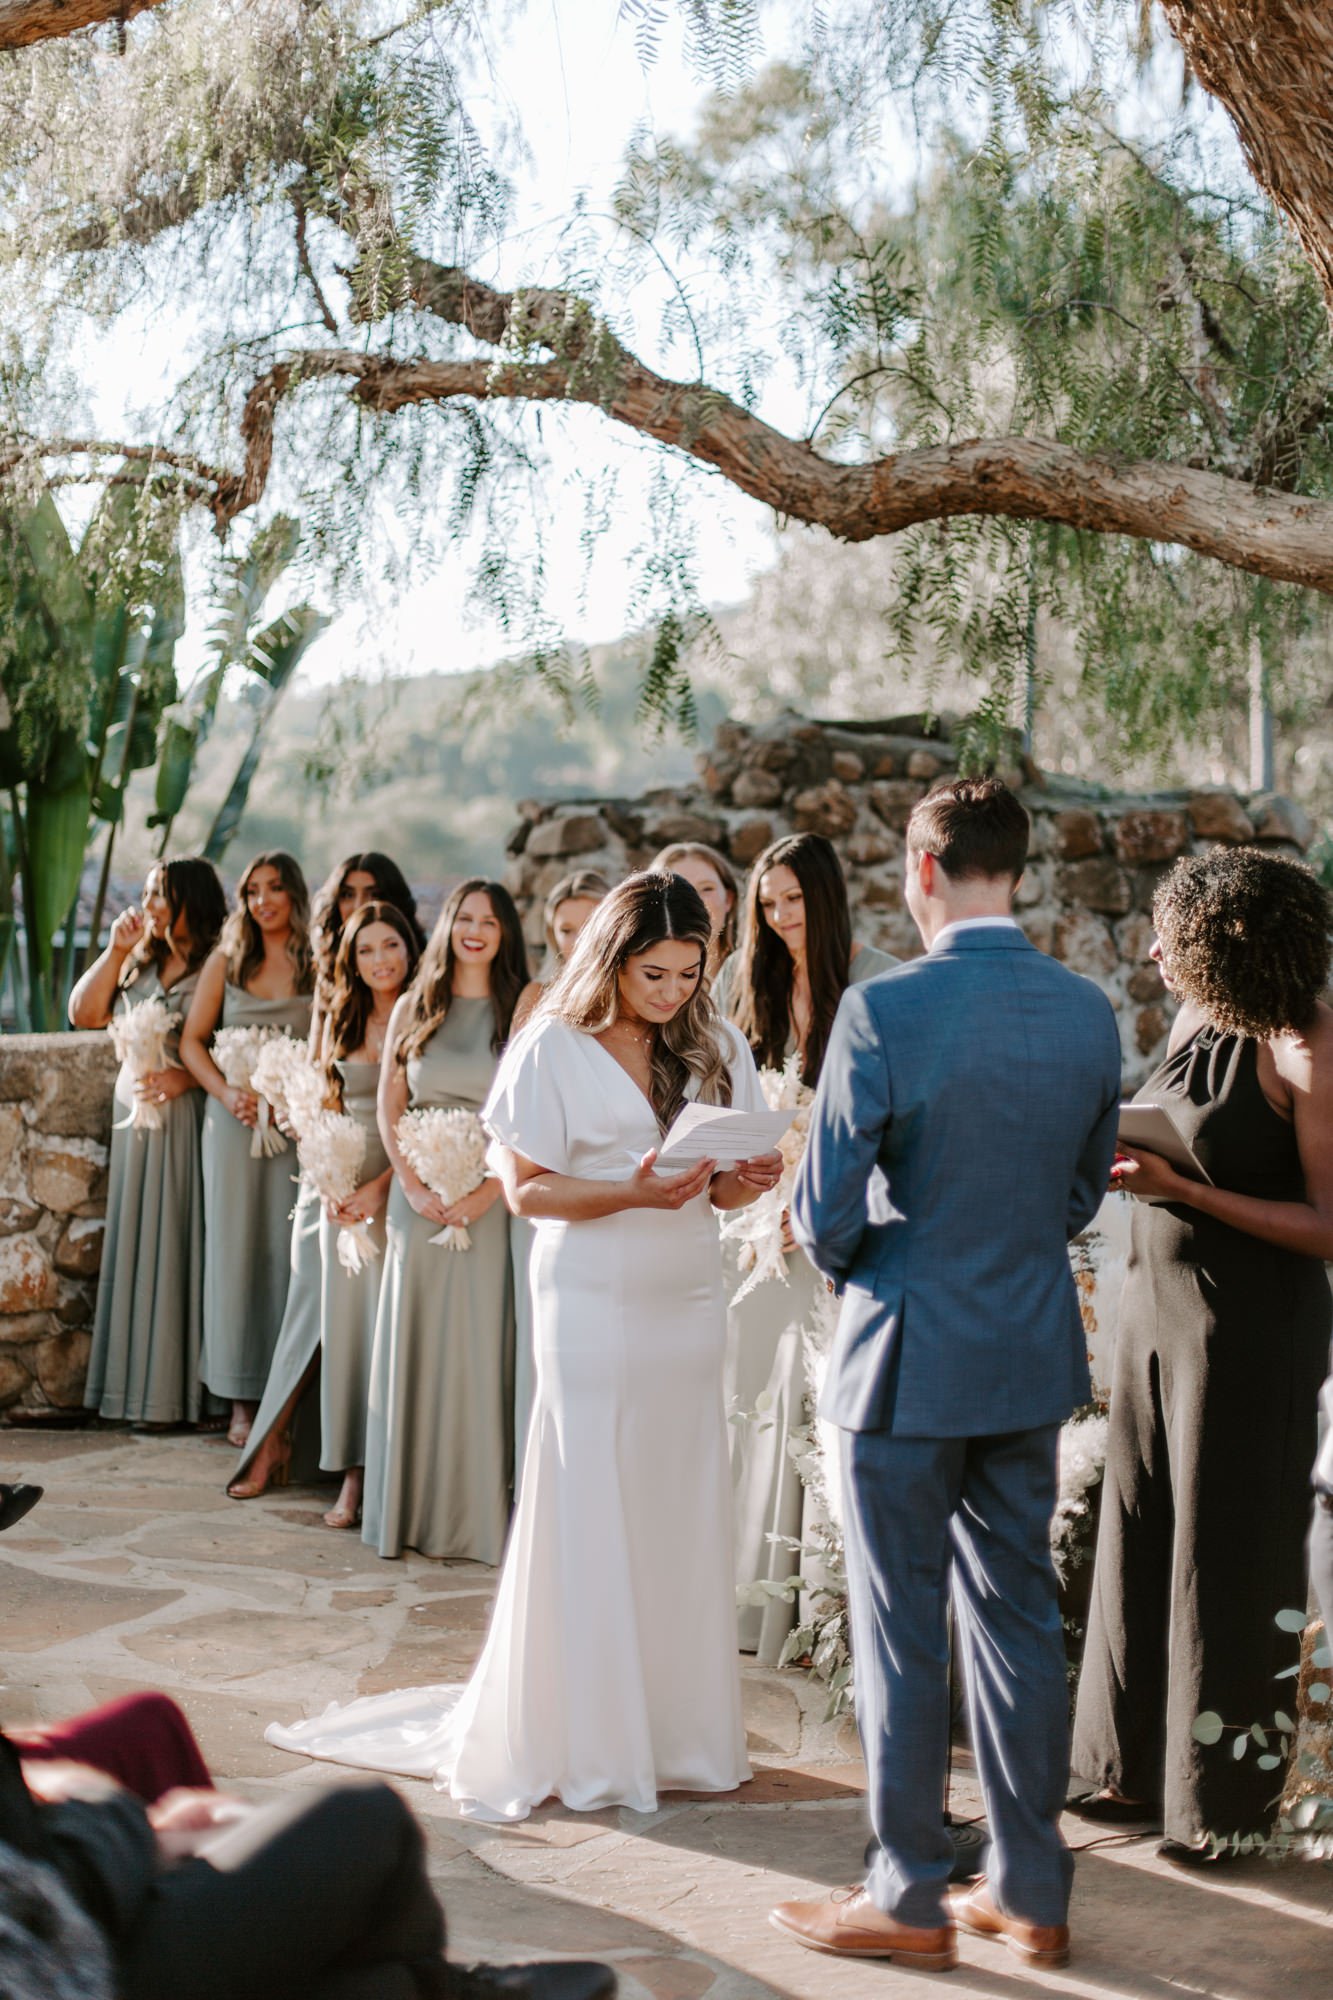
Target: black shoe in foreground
[
  {"x": 15, "y": 1502},
  {"x": 547, "y": 1979}
]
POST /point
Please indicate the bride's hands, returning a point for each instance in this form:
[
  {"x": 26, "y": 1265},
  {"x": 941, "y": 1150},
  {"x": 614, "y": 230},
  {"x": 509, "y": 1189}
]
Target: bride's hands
[{"x": 650, "y": 1190}]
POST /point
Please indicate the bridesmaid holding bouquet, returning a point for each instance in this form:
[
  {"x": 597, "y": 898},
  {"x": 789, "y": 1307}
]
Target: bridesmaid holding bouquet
[
  {"x": 260, "y": 976},
  {"x": 781, "y": 989},
  {"x": 147, "y": 1335},
  {"x": 439, "y": 1446},
  {"x": 376, "y": 958},
  {"x": 284, "y": 1439}
]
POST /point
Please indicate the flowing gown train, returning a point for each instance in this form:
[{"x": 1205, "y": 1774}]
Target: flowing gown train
[{"x": 610, "y": 1670}]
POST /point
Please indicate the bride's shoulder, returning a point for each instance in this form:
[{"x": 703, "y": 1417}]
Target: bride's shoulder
[{"x": 545, "y": 1038}]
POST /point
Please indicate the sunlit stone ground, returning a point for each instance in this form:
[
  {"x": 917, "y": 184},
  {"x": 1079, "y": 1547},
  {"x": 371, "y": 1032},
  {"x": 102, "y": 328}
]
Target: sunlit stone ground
[{"x": 136, "y": 1571}]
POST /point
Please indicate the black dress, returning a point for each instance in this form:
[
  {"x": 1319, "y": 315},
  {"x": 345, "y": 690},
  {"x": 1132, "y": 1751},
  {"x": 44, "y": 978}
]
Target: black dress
[{"x": 1222, "y": 1345}]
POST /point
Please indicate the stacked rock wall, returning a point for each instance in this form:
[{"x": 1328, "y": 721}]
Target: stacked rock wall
[
  {"x": 1097, "y": 856},
  {"x": 55, "y": 1129}
]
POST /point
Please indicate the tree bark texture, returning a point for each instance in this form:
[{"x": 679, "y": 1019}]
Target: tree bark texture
[
  {"x": 23, "y": 22},
  {"x": 1270, "y": 64}
]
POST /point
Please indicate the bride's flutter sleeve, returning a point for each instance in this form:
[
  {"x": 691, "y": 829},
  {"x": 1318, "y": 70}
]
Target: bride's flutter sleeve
[{"x": 527, "y": 1109}]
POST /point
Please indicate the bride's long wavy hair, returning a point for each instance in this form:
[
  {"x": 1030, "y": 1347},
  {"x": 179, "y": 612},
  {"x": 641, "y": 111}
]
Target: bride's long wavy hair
[{"x": 642, "y": 912}]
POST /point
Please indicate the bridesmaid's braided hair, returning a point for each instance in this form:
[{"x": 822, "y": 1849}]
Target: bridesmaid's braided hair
[
  {"x": 1245, "y": 937},
  {"x": 637, "y": 915}
]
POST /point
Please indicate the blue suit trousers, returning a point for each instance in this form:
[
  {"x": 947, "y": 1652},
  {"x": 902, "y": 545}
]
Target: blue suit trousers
[{"x": 920, "y": 1512}]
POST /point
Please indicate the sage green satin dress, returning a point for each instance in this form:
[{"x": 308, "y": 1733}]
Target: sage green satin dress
[
  {"x": 148, "y": 1329},
  {"x": 297, "y": 1346},
  {"x": 248, "y": 1206},
  {"x": 766, "y": 1396},
  {"x": 440, "y": 1438},
  {"x": 351, "y": 1298}
]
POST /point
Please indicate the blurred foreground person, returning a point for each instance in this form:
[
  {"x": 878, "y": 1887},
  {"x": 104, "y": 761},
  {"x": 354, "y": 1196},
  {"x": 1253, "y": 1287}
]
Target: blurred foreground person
[{"x": 200, "y": 1896}]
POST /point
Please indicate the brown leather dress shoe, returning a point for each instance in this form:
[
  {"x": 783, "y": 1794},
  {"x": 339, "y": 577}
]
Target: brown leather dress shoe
[
  {"x": 846, "y": 1924},
  {"x": 1035, "y": 1944}
]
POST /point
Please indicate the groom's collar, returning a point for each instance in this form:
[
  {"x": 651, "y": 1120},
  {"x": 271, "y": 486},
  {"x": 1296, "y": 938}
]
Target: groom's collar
[{"x": 984, "y": 933}]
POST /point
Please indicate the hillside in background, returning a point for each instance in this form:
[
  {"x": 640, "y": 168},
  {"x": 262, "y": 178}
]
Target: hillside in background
[{"x": 430, "y": 768}]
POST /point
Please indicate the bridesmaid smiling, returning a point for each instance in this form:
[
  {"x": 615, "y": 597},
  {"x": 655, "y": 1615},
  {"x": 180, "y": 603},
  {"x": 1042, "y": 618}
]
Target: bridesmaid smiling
[
  {"x": 439, "y": 1445},
  {"x": 260, "y": 976},
  {"x": 377, "y": 955}
]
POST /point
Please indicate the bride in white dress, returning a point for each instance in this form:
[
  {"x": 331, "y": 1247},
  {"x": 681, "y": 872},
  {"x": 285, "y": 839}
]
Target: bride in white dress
[{"x": 610, "y": 1671}]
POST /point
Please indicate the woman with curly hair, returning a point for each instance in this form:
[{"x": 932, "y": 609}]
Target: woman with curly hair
[
  {"x": 260, "y": 976},
  {"x": 1223, "y": 1341},
  {"x": 144, "y": 1364}
]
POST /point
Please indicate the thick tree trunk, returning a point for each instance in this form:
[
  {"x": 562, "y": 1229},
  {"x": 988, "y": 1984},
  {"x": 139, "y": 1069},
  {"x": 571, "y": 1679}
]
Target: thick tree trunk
[
  {"x": 23, "y": 22},
  {"x": 1270, "y": 63}
]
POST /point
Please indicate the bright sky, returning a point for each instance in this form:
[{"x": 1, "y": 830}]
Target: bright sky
[{"x": 567, "y": 72}]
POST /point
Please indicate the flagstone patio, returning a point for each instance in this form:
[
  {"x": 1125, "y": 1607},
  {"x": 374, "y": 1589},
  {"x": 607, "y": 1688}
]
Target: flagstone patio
[{"x": 136, "y": 1571}]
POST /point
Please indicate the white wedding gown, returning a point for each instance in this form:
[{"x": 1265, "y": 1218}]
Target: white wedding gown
[{"x": 610, "y": 1670}]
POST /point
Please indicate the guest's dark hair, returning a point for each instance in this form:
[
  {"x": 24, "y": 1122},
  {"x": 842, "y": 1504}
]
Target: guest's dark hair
[
  {"x": 1245, "y": 937},
  {"x": 351, "y": 1001},
  {"x": 196, "y": 899},
  {"x": 973, "y": 827},
  {"x": 50, "y": 1949},
  {"x": 432, "y": 990},
  {"x": 242, "y": 941},
  {"x": 390, "y": 886},
  {"x": 640, "y": 912},
  {"x": 760, "y": 992}
]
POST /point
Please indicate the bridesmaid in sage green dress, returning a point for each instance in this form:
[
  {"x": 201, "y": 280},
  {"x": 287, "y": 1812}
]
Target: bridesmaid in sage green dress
[
  {"x": 782, "y": 990},
  {"x": 144, "y": 1364},
  {"x": 260, "y": 976},
  {"x": 568, "y": 908},
  {"x": 377, "y": 956},
  {"x": 439, "y": 1444},
  {"x": 285, "y": 1440}
]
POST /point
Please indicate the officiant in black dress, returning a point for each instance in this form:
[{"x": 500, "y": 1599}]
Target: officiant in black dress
[{"x": 1223, "y": 1343}]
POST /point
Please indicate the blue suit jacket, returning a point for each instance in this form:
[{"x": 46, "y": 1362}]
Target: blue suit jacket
[{"x": 963, "y": 1131}]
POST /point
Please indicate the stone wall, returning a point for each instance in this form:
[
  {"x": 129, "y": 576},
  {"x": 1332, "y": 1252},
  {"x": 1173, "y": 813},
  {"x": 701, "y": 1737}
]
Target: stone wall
[
  {"x": 55, "y": 1130},
  {"x": 1097, "y": 856}
]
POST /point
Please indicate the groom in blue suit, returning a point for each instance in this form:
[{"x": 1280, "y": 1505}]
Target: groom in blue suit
[{"x": 963, "y": 1132}]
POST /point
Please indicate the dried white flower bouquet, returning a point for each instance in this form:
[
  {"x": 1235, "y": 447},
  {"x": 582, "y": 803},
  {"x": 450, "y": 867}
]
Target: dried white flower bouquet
[
  {"x": 140, "y": 1037},
  {"x": 759, "y": 1228},
  {"x": 333, "y": 1157},
  {"x": 448, "y": 1150},
  {"x": 236, "y": 1051}
]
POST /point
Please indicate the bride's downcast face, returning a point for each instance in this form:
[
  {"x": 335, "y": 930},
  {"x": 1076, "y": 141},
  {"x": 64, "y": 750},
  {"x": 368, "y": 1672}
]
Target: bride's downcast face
[
  {"x": 783, "y": 905},
  {"x": 381, "y": 959},
  {"x": 657, "y": 983},
  {"x": 476, "y": 933},
  {"x": 267, "y": 901}
]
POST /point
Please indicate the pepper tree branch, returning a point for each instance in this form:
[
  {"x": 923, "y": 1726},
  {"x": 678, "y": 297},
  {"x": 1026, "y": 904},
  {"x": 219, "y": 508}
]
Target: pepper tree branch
[{"x": 23, "y": 22}]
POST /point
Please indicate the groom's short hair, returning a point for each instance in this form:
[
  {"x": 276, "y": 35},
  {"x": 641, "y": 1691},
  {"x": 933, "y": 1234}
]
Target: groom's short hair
[{"x": 972, "y": 826}]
